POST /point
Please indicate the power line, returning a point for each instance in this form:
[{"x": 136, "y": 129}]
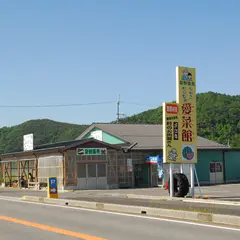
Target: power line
[
  {"x": 119, "y": 115},
  {"x": 56, "y": 105},
  {"x": 80, "y": 104},
  {"x": 141, "y": 104}
]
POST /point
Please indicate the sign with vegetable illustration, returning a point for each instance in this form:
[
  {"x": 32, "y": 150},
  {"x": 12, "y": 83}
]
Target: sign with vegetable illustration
[
  {"x": 186, "y": 99},
  {"x": 180, "y": 120}
]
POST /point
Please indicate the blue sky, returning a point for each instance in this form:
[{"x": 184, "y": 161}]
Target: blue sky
[{"x": 63, "y": 52}]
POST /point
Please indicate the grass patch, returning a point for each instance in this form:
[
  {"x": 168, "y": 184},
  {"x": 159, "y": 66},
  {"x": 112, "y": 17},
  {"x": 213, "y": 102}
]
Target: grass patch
[{"x": 187, "y": 208}]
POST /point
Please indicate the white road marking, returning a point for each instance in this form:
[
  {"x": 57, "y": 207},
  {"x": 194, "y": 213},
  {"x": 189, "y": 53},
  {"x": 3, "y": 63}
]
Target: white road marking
[
  {"x": 13, "y": 199},
  {"x": 229, "y": 203}
]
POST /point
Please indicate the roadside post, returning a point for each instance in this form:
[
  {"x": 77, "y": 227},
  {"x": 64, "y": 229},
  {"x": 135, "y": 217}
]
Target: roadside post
[
  {"x": 52, "y": 187},
  {"x": 171, "y": 167}
]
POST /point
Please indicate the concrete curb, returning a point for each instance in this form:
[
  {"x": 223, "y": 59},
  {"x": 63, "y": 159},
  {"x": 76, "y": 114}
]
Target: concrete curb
[
  {"x": 147, "y": 211},
  {"x": 193, "y": 200},
  {"x": 134, "y": 196},
  {"x": 209, "y": 201}
]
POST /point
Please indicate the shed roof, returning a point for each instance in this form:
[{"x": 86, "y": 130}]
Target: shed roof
[
  {"x": 60, "y": 146},
  {"x": 147, "y": 136},
  {"x": 57, "y": 144}
]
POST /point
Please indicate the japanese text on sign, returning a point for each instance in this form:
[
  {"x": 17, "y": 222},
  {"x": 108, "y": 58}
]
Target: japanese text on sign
[
  {"x": 91, "y": 151},
  {"x": 180, "y": 122},
  {"x": 186, "y": 98},
  {"x": 187, "y": 135},
  {"x": 175, "y": 127},
  {"x": 171, "y": 145},
  {"x": 172, "y": 108}
]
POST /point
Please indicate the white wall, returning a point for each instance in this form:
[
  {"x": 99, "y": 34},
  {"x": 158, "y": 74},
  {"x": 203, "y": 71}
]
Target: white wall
[{"x": 51, "y": 165}]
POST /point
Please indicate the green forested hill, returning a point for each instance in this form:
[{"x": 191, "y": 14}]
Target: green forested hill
[
  {"x": 218, "y": 117},
  {"x": 44, "y": 130}
]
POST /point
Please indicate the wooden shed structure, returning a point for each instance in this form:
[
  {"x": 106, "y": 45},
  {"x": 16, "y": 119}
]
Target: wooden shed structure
[{"x": 77, "y": 164}]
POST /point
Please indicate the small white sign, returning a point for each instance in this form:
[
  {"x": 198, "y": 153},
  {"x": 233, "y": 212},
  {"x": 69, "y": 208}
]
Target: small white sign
[
  {"x": 28, "y": 142},
  {"x": 97, "y": 135}
]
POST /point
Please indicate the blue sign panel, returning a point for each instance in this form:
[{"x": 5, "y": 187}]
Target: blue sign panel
[
  {"x": 52, "y": 187},
  {"x": 154, "y": 159}
]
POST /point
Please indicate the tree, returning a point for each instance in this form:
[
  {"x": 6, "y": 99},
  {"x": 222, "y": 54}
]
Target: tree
[
  {"x": 44, "y": 131},
  {"x": 218, "y": 117}
]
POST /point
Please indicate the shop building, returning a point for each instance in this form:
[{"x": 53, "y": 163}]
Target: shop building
[
  {"x": 107, "y": 156},
  {"x": 217, "y": 163}
]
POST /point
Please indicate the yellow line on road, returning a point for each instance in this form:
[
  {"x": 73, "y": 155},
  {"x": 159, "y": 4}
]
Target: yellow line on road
[{"x": 51, "y": 229}]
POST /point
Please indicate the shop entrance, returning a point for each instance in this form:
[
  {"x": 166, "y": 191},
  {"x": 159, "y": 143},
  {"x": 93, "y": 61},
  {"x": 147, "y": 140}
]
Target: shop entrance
[
  {"x": 141, "y": 175},
  {"x": 91, "y": 176},
  {"x": 216, "y": 173}
]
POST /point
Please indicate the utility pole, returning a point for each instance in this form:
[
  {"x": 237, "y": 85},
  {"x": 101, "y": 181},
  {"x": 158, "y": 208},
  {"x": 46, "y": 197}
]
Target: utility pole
[{"x": 118, "y": 109}]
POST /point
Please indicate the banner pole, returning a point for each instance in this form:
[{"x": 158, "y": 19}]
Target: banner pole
[
  {"x": 192, "y": 180},
  {"x": 171, "y": 179}
]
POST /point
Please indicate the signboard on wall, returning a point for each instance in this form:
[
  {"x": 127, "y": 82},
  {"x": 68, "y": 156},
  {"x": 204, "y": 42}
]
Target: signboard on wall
[
  {"x": 28, "y": 142},
  {"x": 153, "y": 160},
  {"x": 91, "y": 151},
  {"x": 129, "y": 165}
]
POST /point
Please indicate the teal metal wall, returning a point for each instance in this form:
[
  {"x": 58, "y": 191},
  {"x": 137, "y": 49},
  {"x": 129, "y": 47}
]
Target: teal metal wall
[
  {"x": 108, "y": 138},
  {"x": 203, "y": 165},
  {"x": 232, "y": 166}
]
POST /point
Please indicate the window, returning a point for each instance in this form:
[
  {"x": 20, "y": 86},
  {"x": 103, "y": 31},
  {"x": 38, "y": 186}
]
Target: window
[
  {"x": 212, "y": 167},
  {"x": 91, "y": 170},
  {"x": 101, "y": 167},
  {"x": 216, "y": 167},
  {"x": 81, "y": 171}
]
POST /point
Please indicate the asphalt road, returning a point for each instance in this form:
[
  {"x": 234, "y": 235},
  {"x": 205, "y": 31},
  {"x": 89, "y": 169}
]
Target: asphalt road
[{"x": 38, "y": 221}]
